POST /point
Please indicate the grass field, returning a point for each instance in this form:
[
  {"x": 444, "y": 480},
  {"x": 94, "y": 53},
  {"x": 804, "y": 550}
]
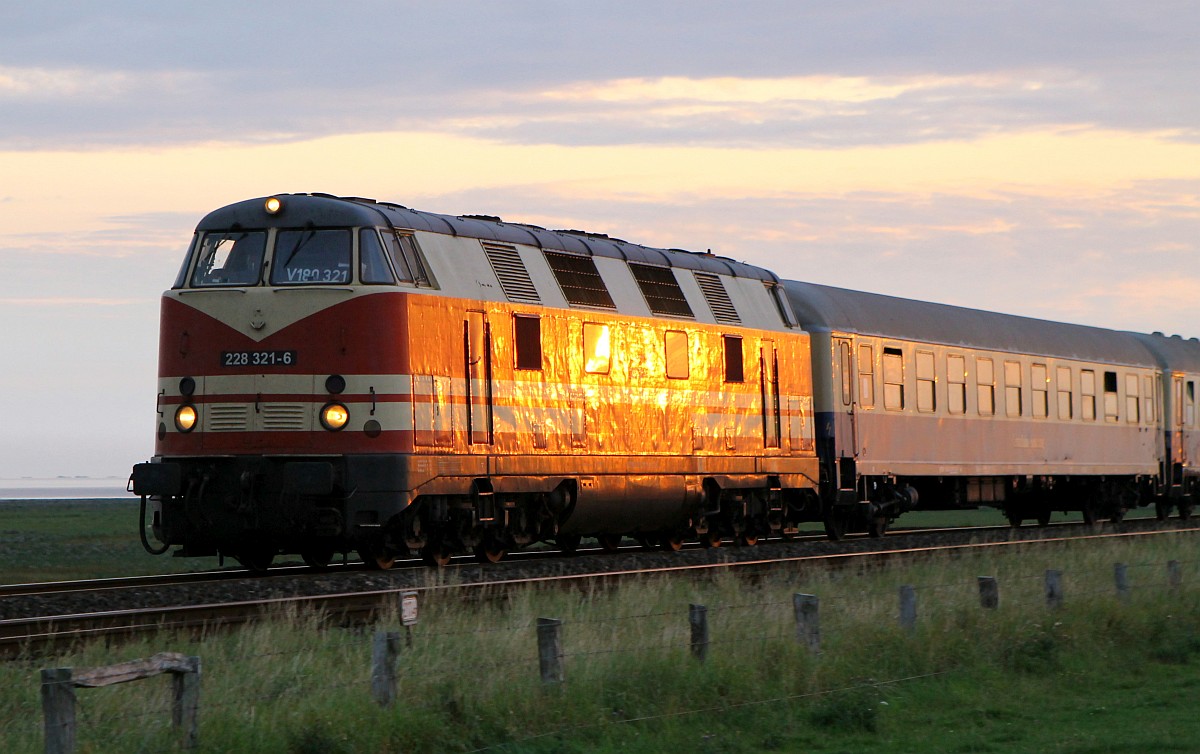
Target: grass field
[{"x": 1097, "y": 675}]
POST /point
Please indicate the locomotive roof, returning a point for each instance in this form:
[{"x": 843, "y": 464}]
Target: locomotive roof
[
  {"x": 825, "y": 308},
  {"x": 324, "y": 210}
]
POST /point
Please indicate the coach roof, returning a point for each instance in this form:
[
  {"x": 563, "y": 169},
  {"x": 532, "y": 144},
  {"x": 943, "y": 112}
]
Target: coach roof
[
  {"x": 824, "y": 308},
  {"x": 324, "y": 210}
]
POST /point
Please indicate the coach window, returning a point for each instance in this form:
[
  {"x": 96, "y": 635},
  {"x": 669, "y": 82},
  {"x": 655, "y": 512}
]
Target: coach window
[
  {"x": 1087, "y": 395},
  {"x": 956, "y": 384},
  {"x": 893, "y": 379},
  {"x": 1039, "y": 390},
  {"x": 926, "y": 380},
  {"x": 1133, "y": 402},
  {"x": 1066, "y": 408},
  {"x": 1012, "y": 388},
  {"x": 1189, "y": 405},
  {"x": 597, "y": 348},
  {"x": 676, "y": 344},
  {"x": 847, "y": 369},
  {"x": 1111, "y": 407},
  {"x": 372, "y": 261},
  {"x": 527, "y": 335},
  {"x": 734, "y": 371},
  {"x": 1148, "y": 400},
  {"x": 866, "y": 375},
  {"x": 985, "y": 378}
]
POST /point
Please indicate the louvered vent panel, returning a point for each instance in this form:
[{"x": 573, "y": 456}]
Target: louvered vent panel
[
  {"x": 511, "y": 272},
  {"x": 227, "y": 417},
  {"x": 718, "y": 298},
  {"x": 284, "y": 416}
]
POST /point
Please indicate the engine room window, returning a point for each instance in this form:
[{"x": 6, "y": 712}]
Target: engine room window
[
  {"x": 866, "y": 375},
  {"x": 893, "y": 379},
  {"x": 1189, "y": 404},
  {"x": 597, "y": 348},
  {"x": 233, "y": 258},
  {"x": 1066, "y": 409},
  {"x": 311, "y": 257},
  {"x": 1012, "y": 388},
  {"x": 1110, "y": 397},
  {"x": 1087, "y": 395},
  {"x": 676, "y": 345},
  {"x": 1039, "y": 389},
  {"x": 661, "y": 290},
  {"x": 1133, "y": 402},
  {"x": 926, "y": 380},
  {"x": 579, "y": 280},
  {"x": 985, "y": 378},
  {"x": 527, "y": 335},
  {"x": 372, "y": 261},
  {"x": 956, "y": 384},
  {"x": 734, "y": 371}
]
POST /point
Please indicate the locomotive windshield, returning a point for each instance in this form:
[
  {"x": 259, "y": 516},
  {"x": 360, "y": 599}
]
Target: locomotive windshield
[
  {"x": 232, "y": 258},
  {"x": 311, "y": 256}
]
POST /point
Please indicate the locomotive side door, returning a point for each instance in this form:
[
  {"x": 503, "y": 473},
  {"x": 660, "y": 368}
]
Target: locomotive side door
[
  {"x": 846, "y": 426},
  {"x": 477, "y": 352},
  {"x": 769, "y": 371}
]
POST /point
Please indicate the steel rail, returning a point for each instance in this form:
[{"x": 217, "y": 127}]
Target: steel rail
[{"x": 21, "y": 636}]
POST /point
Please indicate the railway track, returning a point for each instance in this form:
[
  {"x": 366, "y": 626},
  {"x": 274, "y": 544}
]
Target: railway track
[{"x": 354, "y": 594}]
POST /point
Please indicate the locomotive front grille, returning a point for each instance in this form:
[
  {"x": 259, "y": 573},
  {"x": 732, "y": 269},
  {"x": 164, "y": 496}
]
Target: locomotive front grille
[
  {"x": 226, "y": 417},
  {"x": 284, "y": 416}
]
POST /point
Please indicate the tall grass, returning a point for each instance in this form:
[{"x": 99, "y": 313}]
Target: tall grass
[{"x": 1019, "y": 678}]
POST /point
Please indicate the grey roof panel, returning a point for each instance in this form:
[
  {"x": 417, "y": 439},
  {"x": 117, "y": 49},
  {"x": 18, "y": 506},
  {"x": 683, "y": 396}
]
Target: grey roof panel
[
  {"x": 824, "y": 308},
  {"x": 1173, "y": 353}
]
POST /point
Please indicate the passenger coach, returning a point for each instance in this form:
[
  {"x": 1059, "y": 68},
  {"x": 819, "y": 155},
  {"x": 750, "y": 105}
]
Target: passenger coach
[{"x": 958, "y": 407}]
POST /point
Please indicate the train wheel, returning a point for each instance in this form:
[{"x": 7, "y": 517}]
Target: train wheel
[
  {"x": 1161, "y": 510},
  {"x": 835, "y": 525},
  {"x": 489, "y": 553},
  {"x": 1014, "y": 520},
  {"x": 1043, "y": 518},
  {"x": 376, "y": 560},
  {"x": 747, "y": 540},
  {"x": 437, "y": 555},
  {"x": 1089, "y": 514},
  {"x": 317, "y": 557},
  {"x": 672, "y": 542},
  {"x": 878, "y": 526},
  {"x": 609, "y": 542},
  {"x": 568, "y": 543},
  {"x": 711, "y": 539},
  {"x": 256, "y": 559}
]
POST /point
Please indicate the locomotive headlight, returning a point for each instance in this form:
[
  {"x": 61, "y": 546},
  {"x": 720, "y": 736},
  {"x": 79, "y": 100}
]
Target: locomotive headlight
[
  {"x": 334, "y": 416},
  {"x": 273, "y": 205},
  {"x": 185, "y": 417}
]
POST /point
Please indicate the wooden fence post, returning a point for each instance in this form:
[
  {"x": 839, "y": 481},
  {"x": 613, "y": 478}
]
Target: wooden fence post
[
  {"x": 58, "y": 710},
  {"x": 59, "y": 684},
  {"x": 550, "y": 653},
  {"x": 384, "y": 652},
  {"x": 908, "y": 608},
  {"x": 698, "y": 619},
  {"x": 1121, "y": 575},
  {"x": 808, "y": 621},
  {"x": 989, "y": 592},
  {"x": 1054, "y": 589}
]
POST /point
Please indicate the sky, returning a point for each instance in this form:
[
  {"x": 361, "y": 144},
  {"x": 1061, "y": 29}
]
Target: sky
[{"x": 1036, "y": 158}]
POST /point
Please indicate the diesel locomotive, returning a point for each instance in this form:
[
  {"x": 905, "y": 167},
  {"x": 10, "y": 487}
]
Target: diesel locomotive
[{"x": 342, "y": 374}]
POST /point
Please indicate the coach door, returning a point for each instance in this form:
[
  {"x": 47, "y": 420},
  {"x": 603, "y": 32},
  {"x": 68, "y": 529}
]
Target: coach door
[
  {"x": 477, "y": 351},
  {"x": 845, "y": 413}
]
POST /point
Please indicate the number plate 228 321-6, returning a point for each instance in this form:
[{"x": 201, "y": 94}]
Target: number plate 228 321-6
[{"x": 258, "y": 358}]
